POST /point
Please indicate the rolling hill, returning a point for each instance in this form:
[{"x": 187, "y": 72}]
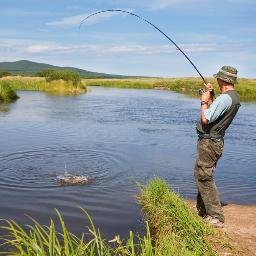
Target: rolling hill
[{"x": 25, "y": 67}]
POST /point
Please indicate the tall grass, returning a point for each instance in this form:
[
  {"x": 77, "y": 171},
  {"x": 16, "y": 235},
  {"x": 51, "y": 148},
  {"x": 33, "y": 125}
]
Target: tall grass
[
  {"x": 37, "y": 240},
  {"x": 120, "y": 83},
  {"x": 171, "y": 229},
  {"x": 170, "y": 218},
  {"x": 188, "y": 86},
  {"x": 60, "y": 87},
  {"x": 66, "y": 75},
  {"x": 7, "y": 94},
  {"x": 4, "y": 73}
]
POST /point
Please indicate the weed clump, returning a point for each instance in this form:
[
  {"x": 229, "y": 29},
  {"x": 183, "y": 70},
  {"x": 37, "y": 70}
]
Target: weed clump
[
  {"x": 7, "y": 94},
  {"x": 5, "y": 73},
  {"x": 170, "y": 218},
  {"x": 66, "y": 75}
]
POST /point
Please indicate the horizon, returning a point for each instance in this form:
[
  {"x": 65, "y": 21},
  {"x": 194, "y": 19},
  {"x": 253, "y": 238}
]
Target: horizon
[
  {"x": 139, "y": 76},
  {"x": 212, "y": 34}
]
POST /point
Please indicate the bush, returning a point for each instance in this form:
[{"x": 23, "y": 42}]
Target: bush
[
  {"x": 65, "y": 75},
  {"x": 5, "y": 73},
  {"x": 7, "y": 94}
]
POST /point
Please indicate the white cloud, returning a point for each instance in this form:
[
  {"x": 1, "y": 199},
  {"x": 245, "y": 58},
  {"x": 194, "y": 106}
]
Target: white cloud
[
  {"x": 130, "y": 58},
  {"x": 99, "y": 49},
  {"x": 38, "y": 48}
]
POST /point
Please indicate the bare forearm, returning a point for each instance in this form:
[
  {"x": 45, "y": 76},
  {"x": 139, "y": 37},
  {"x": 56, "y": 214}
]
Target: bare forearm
[{"x": 203, "y": 118}]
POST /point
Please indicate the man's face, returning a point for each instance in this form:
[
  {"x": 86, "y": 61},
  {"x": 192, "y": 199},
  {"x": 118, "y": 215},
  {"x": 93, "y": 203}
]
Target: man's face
[{"x": 220, "y": 82}]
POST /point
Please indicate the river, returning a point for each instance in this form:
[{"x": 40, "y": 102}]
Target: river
[{"x": 118, "y": 137}]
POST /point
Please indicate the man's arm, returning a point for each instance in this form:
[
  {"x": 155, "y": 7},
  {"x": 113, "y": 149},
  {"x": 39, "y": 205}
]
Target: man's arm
[{"x": 206, "y": 101}]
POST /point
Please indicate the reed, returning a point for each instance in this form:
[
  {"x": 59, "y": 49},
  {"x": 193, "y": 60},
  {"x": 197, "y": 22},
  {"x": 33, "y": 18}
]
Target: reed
[
  {"x": 120, "y": 83},
  {"x": 171, "y": 218},
  {"x": 59, "y": 87},
  {"x": 38, "y": 240},
  {"x": 172, "y": 228},
  {"x": 188, "y": 86},
  {"x": 7, "y": 94}
]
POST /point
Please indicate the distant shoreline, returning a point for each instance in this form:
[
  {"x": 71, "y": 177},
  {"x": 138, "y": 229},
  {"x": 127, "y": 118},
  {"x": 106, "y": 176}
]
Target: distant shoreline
[{"x": 187, "y": 86}]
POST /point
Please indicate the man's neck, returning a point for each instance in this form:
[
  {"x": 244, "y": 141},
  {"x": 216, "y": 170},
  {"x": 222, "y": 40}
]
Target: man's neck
[{"x": 227, "y": 88}]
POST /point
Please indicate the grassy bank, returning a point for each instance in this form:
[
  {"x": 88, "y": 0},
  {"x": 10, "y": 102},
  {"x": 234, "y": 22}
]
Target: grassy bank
[
  {"x": 171, "y": 229},
  {"x": 7, "y": 94},
  {"x": 40, "y": 84},
  {"x": 172, "y": 221},
  {"x": 187, "y": 86}
]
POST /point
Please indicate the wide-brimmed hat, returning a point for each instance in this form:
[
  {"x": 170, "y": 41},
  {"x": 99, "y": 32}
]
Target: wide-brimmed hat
[{"x": 227, "y": 74}]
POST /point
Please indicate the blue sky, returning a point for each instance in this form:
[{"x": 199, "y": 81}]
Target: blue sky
[{"x": 212, "y": 33}]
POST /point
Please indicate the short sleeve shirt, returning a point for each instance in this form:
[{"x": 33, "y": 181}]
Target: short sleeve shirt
[{"x": 219, "y": 106}]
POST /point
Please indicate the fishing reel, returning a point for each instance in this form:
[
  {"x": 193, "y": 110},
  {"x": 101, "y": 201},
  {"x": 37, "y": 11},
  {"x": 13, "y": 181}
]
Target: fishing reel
[{"x": 203, "y": 90}]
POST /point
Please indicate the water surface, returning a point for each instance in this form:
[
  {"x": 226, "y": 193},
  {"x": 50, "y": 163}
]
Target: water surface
[{"x": 117, "y": 137}]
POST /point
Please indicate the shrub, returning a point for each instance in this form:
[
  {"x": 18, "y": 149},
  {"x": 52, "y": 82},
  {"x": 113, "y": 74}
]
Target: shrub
[
  {"x": 7, "y": 94},
  {"x": 5, "y": 73},
  {"x": 66, "y": 75}
]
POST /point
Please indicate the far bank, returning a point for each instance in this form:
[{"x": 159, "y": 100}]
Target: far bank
[{"x": 187, "y": 85}]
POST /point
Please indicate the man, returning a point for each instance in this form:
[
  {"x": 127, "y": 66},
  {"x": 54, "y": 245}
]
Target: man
[{"x": 216, "y": 116}]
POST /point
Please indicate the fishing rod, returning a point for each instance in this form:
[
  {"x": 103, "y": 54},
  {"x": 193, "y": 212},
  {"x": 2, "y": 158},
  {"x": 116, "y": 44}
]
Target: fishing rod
[{"x": 151, "y": 24}]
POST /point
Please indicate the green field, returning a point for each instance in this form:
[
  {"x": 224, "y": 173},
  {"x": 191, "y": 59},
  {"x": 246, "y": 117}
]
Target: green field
[{"x": 188, "y": 86}]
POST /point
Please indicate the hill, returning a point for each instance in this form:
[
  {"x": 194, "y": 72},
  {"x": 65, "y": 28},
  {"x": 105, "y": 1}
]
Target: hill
[{"x": 28, "y": 68}]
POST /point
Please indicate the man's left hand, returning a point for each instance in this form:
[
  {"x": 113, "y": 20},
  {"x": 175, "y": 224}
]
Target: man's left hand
[{"x": 206, "y": 96}]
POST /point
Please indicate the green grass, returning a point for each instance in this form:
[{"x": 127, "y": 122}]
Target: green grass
[
  {"x": 66, "y": 75},
  {"x": 120, "y": 83},
  {"x": 59, "y": 87},
  {"x": 170, "y": 218},
  {"x": 188, "y": 86},
  {"x": 7, "y": 94},
  {"x": 38, "y": 240},
  {"x": 172, "y": 228}
]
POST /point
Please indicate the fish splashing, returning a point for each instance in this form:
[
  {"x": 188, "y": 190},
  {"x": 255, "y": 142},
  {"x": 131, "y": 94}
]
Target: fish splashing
[{"x": 69, "y": 179}]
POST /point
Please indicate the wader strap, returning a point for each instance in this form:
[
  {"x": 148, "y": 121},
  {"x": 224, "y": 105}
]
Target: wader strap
[{"x": 208, "y": 136}]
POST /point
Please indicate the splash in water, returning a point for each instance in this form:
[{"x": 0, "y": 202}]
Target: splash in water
[{"x": 69, "y": 179}]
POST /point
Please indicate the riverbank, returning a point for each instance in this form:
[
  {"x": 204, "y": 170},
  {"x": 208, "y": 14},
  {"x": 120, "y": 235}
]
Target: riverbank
[
  {"x": 169, "y": 215},
  {"x": 172, "y": 228},
  {"x": 188, "y": 86},
  {"x": 240, "y": 227},
  {"x": 9, "y": 86}
]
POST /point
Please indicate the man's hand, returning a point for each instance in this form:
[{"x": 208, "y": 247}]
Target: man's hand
[
  {"x": 206, "y": 100},
  {"x": 209, "y": 87},
  {"x": 207, "y": 95}
]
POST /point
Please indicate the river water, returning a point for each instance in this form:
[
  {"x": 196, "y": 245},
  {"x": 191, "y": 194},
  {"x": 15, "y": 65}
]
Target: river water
[{"x": 117, "y": 137}]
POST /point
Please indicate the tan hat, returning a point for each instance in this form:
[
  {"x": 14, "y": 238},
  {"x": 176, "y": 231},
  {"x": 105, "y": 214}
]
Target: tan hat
[{"x": 227, "y": 74}]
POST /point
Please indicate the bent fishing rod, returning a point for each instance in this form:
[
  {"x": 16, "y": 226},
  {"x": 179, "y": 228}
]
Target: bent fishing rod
[{"x": 151, "y": 24}]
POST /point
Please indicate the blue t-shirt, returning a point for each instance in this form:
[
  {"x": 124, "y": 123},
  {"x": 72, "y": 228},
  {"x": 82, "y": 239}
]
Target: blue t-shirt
[{"x": 219, "y": 106}]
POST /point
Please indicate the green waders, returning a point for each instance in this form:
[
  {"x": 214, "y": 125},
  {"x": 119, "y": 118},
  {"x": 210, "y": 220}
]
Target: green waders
[{"x": 208, "y": 203}]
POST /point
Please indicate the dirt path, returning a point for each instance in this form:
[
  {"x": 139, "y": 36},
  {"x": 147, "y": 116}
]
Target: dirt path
[{"x": 240, "y": 226}]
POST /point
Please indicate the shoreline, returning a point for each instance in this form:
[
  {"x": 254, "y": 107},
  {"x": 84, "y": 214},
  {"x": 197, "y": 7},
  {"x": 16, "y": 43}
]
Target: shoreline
[
  {"x": 240, "y": 227},
  {"x": 187, "y": 86}
]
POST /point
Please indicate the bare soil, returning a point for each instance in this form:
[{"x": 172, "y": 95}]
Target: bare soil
[
  {"x": 240, "y": 226},
  {"x": 239, "y": 230}
]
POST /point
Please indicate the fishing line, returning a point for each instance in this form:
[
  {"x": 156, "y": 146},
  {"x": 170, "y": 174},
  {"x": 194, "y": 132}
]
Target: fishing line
[{"x": 151, "y": 24}]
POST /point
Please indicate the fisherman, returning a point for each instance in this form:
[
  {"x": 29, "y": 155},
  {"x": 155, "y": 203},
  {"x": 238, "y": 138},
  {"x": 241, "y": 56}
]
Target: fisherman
[{"x": 216, "y": 116}]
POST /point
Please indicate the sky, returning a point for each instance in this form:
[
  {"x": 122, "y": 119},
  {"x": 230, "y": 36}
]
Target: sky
[{"x": 212, "y": 33}]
